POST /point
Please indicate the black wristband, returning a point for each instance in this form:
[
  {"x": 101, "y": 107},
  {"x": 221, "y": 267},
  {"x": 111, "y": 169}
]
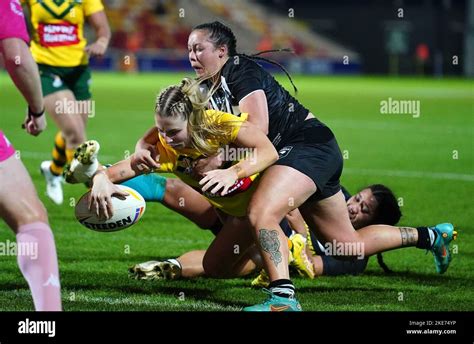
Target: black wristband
[{"x": 33, "y": 114}]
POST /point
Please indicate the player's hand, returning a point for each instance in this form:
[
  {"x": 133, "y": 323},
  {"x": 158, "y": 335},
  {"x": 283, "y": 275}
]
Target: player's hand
[
  {"x": 204, "y": 165},
  {"x": 34, "y": 125},
  {"x": 97, "y": 48},
  {"x": 145, "y": 160},
  {"x": 100, "y": 201},
  {"x": 220, "y": 179}
]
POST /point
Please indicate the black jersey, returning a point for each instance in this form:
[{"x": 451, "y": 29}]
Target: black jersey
[{"x": 241, "y": 76}]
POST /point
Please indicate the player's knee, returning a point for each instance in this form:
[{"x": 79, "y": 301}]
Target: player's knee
[
  {"x": 262, "y": 214},
  {"x": 74, "y": 136},
  {"x": 212, "y": 267},
  {"x": 36, "y": 213}
]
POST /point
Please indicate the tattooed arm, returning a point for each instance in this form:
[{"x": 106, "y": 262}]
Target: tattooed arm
[
  {"x": 120, "y": 172},
  {"x": 103, "y": 186}
]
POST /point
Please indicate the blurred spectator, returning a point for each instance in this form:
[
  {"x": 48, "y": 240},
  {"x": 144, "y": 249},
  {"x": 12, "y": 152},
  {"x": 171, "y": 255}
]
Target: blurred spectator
[
  {"x": 297, "y": 46},
  {"x": 422, "y": 56},
  {"x": 266, "y": 42}
]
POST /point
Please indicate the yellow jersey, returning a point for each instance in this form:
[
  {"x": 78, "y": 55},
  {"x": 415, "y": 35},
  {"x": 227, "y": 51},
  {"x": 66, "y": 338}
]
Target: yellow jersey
[
  {"x": 181, "y": 162},
  {"x": 58, "y": 30}
]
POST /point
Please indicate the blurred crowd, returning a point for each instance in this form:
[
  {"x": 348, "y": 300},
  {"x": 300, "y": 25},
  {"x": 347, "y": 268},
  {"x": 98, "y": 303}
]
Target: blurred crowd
[
  {"x": 156, "y": 24},
  {"x": 152, "y": 24}
]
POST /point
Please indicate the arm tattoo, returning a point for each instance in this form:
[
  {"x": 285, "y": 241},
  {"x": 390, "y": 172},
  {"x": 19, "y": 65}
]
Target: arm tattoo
[
  {"x": 122, "y": 173},
  {"x": 269, "y": 241},
  {"x": 408, "y": 236}
]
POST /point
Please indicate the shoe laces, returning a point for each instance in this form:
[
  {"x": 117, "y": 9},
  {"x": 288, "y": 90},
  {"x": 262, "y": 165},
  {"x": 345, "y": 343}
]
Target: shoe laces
[{"x": 272, "y": 295}]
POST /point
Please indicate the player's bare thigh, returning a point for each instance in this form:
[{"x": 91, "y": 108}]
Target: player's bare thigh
[
  {"x": 186, "y": 201},
  {"x": 329, "y": 219},
  {"x": 70, "y": 123},
  {"x": 19, "y": 202},
  {"x": 281, "y": 189}
]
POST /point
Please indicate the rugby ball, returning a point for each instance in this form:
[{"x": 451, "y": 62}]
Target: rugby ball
[{"x": 125, "y": 212}]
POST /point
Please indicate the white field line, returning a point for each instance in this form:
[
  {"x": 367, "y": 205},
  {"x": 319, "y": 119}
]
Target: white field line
[
  {"x": 195, "y": 305},
  {"x": 131, "y": 302}
]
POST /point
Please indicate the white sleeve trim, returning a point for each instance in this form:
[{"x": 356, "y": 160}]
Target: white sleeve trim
[{"x": 251, "y": 93}]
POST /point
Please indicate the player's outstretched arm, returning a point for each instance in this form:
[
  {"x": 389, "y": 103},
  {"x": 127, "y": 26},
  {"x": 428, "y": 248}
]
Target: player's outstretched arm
[
  {"x": 103, "y": 186},
  {"x": 100, "y": 201},
  {"x": 145, "y": 150},
  {"x": 261, "y": 154},
  {"x": 123, "y": 170}
]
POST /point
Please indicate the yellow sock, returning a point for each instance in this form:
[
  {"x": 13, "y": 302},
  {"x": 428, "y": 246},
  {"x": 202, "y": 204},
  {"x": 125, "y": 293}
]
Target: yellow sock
[
  {"x": 59, "y": 154},
  {"x": 70, "y": 154}
]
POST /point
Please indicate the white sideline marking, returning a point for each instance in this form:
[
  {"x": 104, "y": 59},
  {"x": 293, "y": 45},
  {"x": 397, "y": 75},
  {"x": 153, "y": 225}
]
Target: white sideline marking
[
  {"x": 132, "y": 302},
  {"x": 410, "y": 174}
]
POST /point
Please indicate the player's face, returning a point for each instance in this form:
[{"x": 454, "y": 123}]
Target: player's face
[
  {"x": 203, "y": 56},
  {"x": 362, "y": 207},
  {"x": 174, "y": 131}
]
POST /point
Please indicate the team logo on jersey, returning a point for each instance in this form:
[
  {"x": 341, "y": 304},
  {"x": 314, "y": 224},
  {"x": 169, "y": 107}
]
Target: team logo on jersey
[
  {"x": 283, "y": 153},
  {"x": 57, "y": 35}
]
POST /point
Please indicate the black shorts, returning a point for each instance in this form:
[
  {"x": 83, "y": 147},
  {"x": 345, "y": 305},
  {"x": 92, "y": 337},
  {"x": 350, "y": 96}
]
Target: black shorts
[{"x": 314, "y": 152}]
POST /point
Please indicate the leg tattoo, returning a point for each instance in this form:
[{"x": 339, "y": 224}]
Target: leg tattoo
[
  {"x": 408, "y": 236},
  {"x": 269, "y": 241}
]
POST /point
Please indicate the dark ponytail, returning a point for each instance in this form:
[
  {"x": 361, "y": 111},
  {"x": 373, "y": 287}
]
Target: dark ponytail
[
  {"x": 220, "y": 35},
  {"x": 256, "y": 57}
]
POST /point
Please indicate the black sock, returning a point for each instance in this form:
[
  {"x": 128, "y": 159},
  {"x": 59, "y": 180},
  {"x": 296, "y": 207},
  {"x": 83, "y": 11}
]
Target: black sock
[
  {"x": 424, "y": 240},
  {"x": 282, "y": 288}
]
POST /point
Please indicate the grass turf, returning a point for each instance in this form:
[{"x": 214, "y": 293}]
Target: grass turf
[{"x": 428, "y": 161}]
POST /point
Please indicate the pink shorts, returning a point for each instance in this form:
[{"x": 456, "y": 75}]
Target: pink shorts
[
  {"x": 12, "y": 21},
  {"x": 6, "y": 148}
]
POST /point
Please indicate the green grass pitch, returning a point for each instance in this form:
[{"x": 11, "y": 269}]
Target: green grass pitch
[{"x": 428, "y": 161}]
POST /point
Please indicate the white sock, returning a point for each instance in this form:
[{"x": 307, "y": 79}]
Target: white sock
[
  {"x": 175, "y": 262},
  {"x": 432, "y": 236}
]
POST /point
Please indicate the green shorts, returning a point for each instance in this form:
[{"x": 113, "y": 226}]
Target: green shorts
[{"x": 76, "y": 79}]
